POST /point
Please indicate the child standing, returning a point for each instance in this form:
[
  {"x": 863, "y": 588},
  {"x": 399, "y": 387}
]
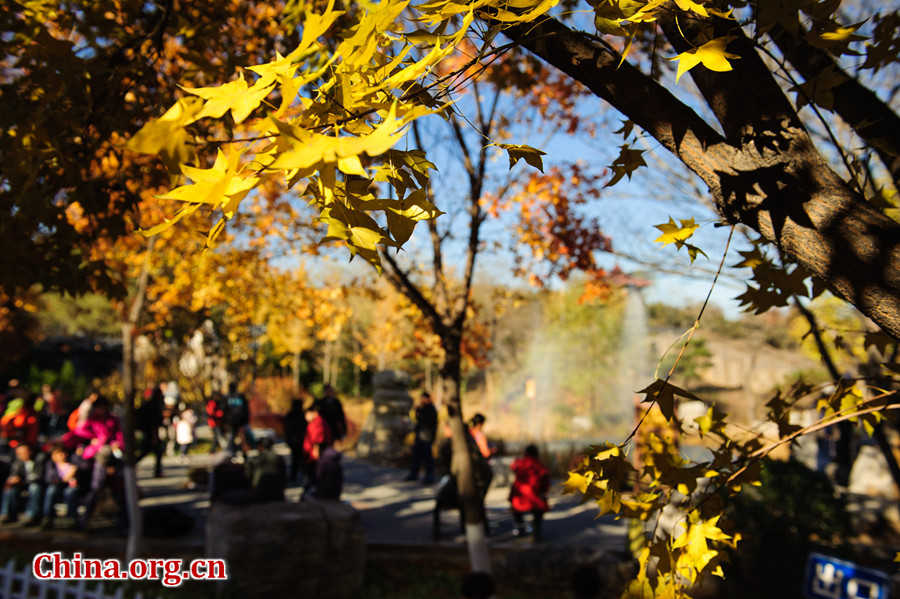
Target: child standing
[
  {"x": 184, "y": 429},
  {"x": 529, "y": 491}
]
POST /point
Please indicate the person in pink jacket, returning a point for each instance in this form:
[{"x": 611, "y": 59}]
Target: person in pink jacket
[
  {"x": 102, "y": 437},
  {"x": 101, "y": 429}
]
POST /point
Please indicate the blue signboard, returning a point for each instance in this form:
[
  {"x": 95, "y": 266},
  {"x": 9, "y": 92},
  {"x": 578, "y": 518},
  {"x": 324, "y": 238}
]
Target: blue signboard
[{"x": 830, "y": 578}]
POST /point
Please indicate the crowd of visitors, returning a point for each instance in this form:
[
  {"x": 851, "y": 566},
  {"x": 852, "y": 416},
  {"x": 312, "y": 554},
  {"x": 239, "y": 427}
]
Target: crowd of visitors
[
  {"x": 48, "y": 458},
  {"x": 310, "y": 432},
  {"x": 54, "y": 453}
]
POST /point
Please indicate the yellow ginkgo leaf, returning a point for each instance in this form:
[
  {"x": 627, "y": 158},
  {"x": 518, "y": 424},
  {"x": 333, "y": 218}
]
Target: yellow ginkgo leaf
[{"x": 712, "y": 55}]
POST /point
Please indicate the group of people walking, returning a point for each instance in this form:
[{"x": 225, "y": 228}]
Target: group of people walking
[
  {"x": 311, "y": 432},
  {"x": 528, "y": 493}
]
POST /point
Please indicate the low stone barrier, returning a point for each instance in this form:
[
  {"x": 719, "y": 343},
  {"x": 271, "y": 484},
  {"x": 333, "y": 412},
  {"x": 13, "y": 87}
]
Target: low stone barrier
[{"x": 308, "y": 549}]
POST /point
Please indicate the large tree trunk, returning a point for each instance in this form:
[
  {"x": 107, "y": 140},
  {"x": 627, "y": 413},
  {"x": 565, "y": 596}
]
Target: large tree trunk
[
  {"x": 135, "y": 518},
  {"x": 473, "y": 506},
  {"x": 764, "y": 173}
]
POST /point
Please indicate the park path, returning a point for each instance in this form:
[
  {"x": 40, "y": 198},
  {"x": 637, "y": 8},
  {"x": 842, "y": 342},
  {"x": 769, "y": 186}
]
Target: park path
[{"x": 397, "y": 512}]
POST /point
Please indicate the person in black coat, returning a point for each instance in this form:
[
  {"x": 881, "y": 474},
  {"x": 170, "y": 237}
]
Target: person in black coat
[
  {"x": 294, "y": 433},
  {"x": 149, "y": 421},
  {"x": 332, "y": 410},
  {"x": 425, "y": 431}
]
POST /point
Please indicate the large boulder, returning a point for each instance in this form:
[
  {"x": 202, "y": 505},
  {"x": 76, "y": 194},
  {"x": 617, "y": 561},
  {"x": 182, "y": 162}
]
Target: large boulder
[
  {"x": 308, "y": 549},
  {"x": 384, "y": 432}
]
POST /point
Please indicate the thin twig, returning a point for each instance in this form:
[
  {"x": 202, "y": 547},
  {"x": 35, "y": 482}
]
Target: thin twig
[{"x": 691, "y": 332}]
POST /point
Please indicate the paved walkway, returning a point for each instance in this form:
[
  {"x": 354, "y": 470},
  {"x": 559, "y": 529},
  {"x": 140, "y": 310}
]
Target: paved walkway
[{"x": 394, "y": 511}]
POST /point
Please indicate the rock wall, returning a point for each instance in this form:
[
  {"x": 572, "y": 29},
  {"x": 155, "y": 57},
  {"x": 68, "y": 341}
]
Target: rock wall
[
  {"x": 309, "y": 549},
  {"x": 387, "y": 425}
]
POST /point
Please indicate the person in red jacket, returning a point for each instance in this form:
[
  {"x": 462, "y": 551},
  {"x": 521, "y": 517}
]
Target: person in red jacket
[
  {"x": 529, "y": 491},
  {"x": 318, "y": 438},
  {"x": 21, "y": 426},
  {"x": 215, "y": 413}
]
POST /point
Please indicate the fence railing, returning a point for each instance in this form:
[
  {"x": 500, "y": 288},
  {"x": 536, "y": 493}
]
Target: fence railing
[{"x": 20, "y": 583}]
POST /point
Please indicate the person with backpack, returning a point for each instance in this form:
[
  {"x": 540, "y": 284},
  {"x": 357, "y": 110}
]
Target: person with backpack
[
  {"x": 332, "y": 410},
  {"x": 425, "y": 431},
  {"x": 528, "y": 494},
  {"x": 238, "y": 413}
]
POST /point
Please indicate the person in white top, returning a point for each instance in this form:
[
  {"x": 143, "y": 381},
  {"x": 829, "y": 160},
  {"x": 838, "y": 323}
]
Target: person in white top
[{"x": 184, "y": 429}]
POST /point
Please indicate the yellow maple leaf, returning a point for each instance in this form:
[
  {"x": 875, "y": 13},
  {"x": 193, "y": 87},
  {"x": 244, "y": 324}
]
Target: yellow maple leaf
[
  {"x": 712, "y": 55},
  {"x": 221, "y": 186},
  {"x": 674, "y": 233},
  {"x": 695, "y": 541},
  {"x": 578, "y": 482}
]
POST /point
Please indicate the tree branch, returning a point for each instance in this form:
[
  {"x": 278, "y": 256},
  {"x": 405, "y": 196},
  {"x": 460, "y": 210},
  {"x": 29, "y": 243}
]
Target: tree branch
[
  {"x": 437, "y": 254},
  {"x": 873, "y": 120},
  {"x": 742, "y": 110},
  {"x": 780, "y": 187},
  {"x": 402, "y": 283}
]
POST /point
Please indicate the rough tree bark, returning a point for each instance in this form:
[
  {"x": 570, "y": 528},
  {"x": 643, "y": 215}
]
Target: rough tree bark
[{"x": 764, "y": 172}]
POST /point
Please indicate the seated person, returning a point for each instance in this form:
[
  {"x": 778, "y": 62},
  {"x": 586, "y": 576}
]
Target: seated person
[
  {"x": 25, "y": 478},
  {"x": 329, "y": 475},
  {"x": 267, "y": 472},
  {"x": 61, "y": 479}
]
